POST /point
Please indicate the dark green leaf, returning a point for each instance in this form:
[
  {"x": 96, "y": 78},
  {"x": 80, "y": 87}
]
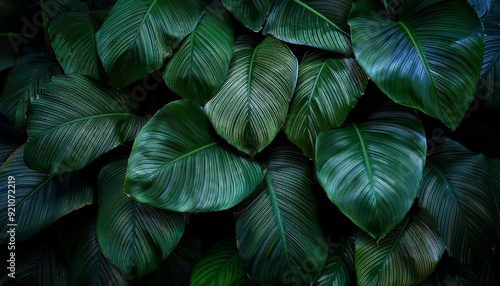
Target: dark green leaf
[
  {"x": 178, "y": 163},
  {"x": 23, "y": 81},
  {"x": 316, "y": 23},
  {"x": 39, "y": 199},
  {"x": 279, "y": 237},
  {"x": 135, "y": 238},
  {"x": 87, "y": 264},
  {"x": 372, "y": 170},
  {"x": 220, "y": 267},
  {"x": 327, "y": 89},
  {"x": 200, "y": 65},
  {"x": 429, "y": 58},
  {"x": 405, "y": 256},
  {"x": 251, "y": 13},
  {"x": 75, "y": 119},
  {"x": 456, "y": 189},
  {"x": 73, "y": 40},
  {"x": 7, "y": 146},
  {"x": 251, "y": 106},
  {"x": 450, "y": 273},
  {"x": 138, "y": 35},
  {"x": 489, "y": 83},
  {"x": 481, "y": 6},
  {"x": 339, "y": 267},
  {"x": 177, "y": 268}
]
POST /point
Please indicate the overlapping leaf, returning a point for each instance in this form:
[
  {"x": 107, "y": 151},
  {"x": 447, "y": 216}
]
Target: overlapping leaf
[
  {"x": 339, "y": 267},
  {"x": 39, "y": 199},
  {"x": 279, "y": 237},
  {"x": 220, "y": 266},
  {"x": 405, "y": 256},
  {"x": 327, "y": 89},
  {"x": 251, "y": 106},
  {"x": 371, "y": 170},
  {"x": 449, "y": 272},
  {"x": 73, "y": 40},
  {"x": 178, "y": 163},
  {"x": 200, "y": 65},
  {"x": 251, "y": 13},
  {"x": 139, "y": 34},
  {"x": 135, "y": 238},
  {"x": 32, "y": 70},
  {"x": 316, "y": 23},
  {"x": 456, "y": 190},
  {"x": 75, "y": 119},
  {"x": 429, "y": 58},
  {"x": 7, "y": 146},
  {"x": 481, "y": 6},
  {"x": 489, "y": 87}
]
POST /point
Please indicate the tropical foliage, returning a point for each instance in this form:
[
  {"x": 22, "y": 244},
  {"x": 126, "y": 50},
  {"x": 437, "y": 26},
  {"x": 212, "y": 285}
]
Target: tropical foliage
[{"x": 259, "y": 142}]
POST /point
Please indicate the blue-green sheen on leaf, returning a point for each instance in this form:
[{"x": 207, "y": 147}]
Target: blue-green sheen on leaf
[
  {"x": 429, "y": 59},
  {"x": 134, "y": 237},
  {"x": 371, "y": 170},
  {"x": 251, "y": 106},
  {"x": 316, "y": 23},
  {"x": 40, "y": 199},
  {"x": 138, "y": 35},
  {"x": 219, "y": 267},
  {"x": 73, "y": 40},
  {"x": 30, "y": 72},
  {"x": 481, "y": 6},
  {"x": 279, "y": 237},
  {"x": 200, "y": 65},
  {"x": 456, "y": 189},
  {"x": 178, "y": 163},
  {"x": 405, "y": 256},
  {"x": 251, "y": 13},
  {"x": 489, "y": 83},
  {"x": 75, "y": 119},
  {"x": 327, "y": 89}
]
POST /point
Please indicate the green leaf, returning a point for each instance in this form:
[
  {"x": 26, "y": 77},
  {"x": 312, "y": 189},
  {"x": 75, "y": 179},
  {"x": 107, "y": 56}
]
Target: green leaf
[
  {"x": 429, "y": 58},
  {"x": 494, "y": 171},
  {"x": 32, "y": 70},
  {"x": 138, "y": 35},
  {"x": 87, "y": 264},
  {"x": 178, "y": 163},
  {"x": 456, "y": 189},
  {"x": 39, "y": 199},
  {"x": 134, "y": 237},
  {"x": 251, "y": 13},
  {"x": 339, "y": 267},
  {"x": 251, "y": 106},
  {"x": 177, "y": 268},
  {"x": 75, "y": 119},
  {"x": 405, "y": 256},
  {"x": 38, "y": 261},
  {"x": 327, "y": 89},
  {"x": 220, "y": 267},
  {"x": 280, "y": 240},
  {"x": 201, "y": 63},
  {"x": 316, "y": 23},
  {"x": 449, "y": 272},
  {"x": 371, "y": 170},
  {"x": 489, "y": 87},
  {"x": 481, "y": 6},
  {"x": 7, "y": 146},
  {"x": 73, "y": 40}
]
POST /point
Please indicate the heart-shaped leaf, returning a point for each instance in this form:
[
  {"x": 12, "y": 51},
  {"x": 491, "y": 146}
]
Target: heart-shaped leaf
[
  {"x": 37, "y": 199},
  {"x": 279, "y": 237},
  {"x": 134, "y": 237},
  {"x": 316, "y": 23},
  {"x": 251, "y": 106},
  {"x": 339, "y": 267},
  {"x": 75, "y": 119},
  {"x": 405, "y": 256},
  {"x": 200, "y": 65},
  {"x": 327, "y": 89},
  {"x": 139, "y": 34},
  {"x": 428, "y": 56},
  {"x": 251, "y": 13},
  {"x": 352, "y": 165},
  {"x": 456, "y": 189},
  {"x": 178, "y": 163}
]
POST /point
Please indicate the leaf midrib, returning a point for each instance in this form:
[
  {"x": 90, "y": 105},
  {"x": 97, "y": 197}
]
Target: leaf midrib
[
  {"x": 132, "y": 43},
  {"x": 310, "y": 9},
  {"x": 309, "y": 99}
]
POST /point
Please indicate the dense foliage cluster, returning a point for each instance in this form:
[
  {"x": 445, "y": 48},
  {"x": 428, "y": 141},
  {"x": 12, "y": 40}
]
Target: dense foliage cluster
[{"x": 256, "y": 142}]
